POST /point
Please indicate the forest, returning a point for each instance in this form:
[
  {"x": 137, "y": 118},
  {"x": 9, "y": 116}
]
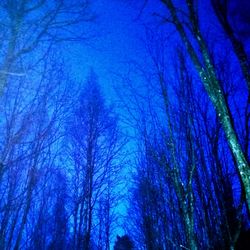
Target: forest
[{"x": 124, "y": 125}]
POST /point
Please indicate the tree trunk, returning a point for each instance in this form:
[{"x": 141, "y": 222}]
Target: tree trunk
[{"x": 208, "y": 77}]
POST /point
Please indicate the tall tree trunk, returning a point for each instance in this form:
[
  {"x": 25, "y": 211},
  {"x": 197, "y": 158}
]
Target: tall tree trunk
[
  {"x": 11, "y": 49},
  {"x": 211, "y": 83},
  {"x": 26, "y": 210}
]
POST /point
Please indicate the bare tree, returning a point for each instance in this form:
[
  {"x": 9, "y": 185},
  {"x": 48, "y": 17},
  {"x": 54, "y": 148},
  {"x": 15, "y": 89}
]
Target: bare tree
[
  {"x": 32, "y": 27},
  {"x": 94, "y": 147},
  {"x": 30, "y": 131},
  {"x": 221, "y": 10},
  {"x": 204, "y": 65}
]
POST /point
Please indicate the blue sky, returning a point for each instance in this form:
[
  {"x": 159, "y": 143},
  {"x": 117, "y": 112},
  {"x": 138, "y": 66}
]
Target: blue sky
[{"x": 118, "y": 38}]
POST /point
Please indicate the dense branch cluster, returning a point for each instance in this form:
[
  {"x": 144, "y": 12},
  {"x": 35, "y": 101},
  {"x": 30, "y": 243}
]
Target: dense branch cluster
[{"x": 65, "y": 160}]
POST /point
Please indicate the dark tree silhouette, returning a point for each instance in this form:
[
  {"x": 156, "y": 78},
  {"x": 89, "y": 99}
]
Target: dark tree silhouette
[{"x": 123, "y": 243}]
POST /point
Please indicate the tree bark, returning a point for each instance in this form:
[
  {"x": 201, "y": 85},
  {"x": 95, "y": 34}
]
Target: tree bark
[{"x": 213, "y": 88}]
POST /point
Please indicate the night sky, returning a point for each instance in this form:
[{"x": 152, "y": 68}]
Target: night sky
[
  {"x": 183, "y": 122},
  {"x": 119, "y": 40},
  {"x": 117, "y": 37},
  {"x": 118, "y": 33}
]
